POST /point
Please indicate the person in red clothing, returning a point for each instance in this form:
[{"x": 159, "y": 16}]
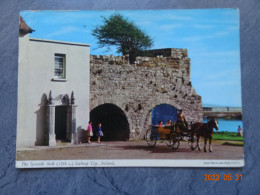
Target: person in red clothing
[
  {"x": 89, "y": 131},
  {"x": 160, "y": 124}
]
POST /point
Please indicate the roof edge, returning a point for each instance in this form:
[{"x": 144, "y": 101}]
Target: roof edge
[
  {"x": 59, "y": 42},
  {"x": 23, "y": 26}
]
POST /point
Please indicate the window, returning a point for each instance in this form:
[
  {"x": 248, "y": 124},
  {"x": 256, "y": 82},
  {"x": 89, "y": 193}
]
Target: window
[{"x": 60, "y": 66}]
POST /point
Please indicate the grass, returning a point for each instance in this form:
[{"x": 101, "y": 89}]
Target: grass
[
  {"x": 233, "y": 143},
  {"x": 224, "y": 135}
]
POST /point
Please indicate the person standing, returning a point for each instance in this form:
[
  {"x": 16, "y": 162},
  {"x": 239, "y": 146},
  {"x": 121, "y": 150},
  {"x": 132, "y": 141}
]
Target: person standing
[
  {"x": 181, "y": 121},
  {"x": 100, "y": 132},
  {"x": 89, "y": 131},
  {"x": 239, "y": 131}
]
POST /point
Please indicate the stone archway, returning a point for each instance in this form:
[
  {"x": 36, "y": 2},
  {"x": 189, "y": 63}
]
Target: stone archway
[
  {"x": 163, "y": 112},
  {"x": 114, "y": 122}
]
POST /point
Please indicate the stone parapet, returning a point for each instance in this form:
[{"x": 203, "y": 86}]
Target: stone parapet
[
  {"x": 175, "y": 59},
  {"x": 167, "y": 52}
]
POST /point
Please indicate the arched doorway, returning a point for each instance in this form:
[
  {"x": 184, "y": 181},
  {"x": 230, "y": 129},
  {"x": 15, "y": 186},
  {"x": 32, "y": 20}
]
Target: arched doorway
[
  {"x": 115, "y": 125},
  {"x": 163, "y": 112}
]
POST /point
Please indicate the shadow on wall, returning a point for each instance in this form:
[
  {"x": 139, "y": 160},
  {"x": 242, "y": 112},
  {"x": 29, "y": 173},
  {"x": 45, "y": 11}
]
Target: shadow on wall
[
  {"x": 82, "y": 135},
  {"x": 41, "y": 130}
]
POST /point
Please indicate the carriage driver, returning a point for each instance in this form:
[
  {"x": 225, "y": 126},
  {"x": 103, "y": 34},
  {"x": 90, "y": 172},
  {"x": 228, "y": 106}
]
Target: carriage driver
[{"x": 181, "y": 123}]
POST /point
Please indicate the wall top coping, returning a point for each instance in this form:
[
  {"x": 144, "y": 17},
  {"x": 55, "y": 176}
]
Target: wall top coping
[
  {"x": 60, "y": 42},
  {"x": 153, "y": 54}
]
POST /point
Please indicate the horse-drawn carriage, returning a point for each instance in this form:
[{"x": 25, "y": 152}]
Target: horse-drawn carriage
[{"x": 173, "y": 134}]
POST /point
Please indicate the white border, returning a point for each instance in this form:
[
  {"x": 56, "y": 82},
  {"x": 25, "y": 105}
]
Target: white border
[{"x": 129, "y": 163}]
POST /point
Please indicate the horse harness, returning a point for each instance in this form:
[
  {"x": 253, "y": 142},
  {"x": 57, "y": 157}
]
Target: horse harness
[{"x": 210, "y": 130}]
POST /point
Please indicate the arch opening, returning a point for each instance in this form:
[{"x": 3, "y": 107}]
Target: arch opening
[
  {"x": 114, "y": 122},
  {"x": 164, "y": 112}
]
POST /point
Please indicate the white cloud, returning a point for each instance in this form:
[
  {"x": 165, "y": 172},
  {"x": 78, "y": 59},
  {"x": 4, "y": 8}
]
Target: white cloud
[
  {"x": 220, "y": 84},
  {"x": 170, "y": 26},
  {"x": 233, "y": 28},
  {"x": 143, "y": 23},
  {"x": 210, "y": 36},
  {"x": 65, "y": 17},
  {"x": 66, "y": 30},
  {"x": 203, "y": 26},
  {"x": 180, "y": 18},
  {"x": 228, "y": 77},
  {"x": 222, "y": 54}
]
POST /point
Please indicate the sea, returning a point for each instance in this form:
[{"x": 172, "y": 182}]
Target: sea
[{"x": 230, "y": 125}]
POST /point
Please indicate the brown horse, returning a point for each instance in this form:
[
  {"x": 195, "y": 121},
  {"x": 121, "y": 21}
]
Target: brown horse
[{"x": 205, "y": 130}]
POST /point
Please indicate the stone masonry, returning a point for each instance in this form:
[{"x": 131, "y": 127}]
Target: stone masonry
[{"x": 138, "y": 88}]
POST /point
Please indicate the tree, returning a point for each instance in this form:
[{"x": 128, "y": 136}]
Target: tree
[{"x": 126, "y": 36}]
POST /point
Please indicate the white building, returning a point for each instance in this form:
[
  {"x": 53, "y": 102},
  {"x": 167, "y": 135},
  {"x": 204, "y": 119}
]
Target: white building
[{"x": 53, "y": 90}]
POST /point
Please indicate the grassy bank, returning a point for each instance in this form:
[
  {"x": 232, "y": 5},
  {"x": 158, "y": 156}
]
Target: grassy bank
[{"x": 224, "y": 135}]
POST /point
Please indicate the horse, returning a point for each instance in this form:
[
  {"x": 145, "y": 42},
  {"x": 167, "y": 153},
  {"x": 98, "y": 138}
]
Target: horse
[{"x": 205, "y": 130}]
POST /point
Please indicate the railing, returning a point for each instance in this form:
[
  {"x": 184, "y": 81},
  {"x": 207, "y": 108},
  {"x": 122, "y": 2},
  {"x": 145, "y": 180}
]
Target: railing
[{"x": 222, "y": 109}]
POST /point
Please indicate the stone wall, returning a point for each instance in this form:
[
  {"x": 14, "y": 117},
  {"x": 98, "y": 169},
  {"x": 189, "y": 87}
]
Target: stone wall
[
  {"x": 167, "y": 52},
  {"x": 137, "y": 89}
]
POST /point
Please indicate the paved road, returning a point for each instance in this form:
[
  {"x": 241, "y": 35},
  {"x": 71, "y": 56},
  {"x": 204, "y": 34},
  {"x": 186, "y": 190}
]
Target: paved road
[{"x": 127, "y": 150}]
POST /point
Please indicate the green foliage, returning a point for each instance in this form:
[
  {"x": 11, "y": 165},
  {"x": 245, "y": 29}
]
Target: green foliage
[
  {"x": 227, "y": 136},
  {"x": 126, "y": 36}
]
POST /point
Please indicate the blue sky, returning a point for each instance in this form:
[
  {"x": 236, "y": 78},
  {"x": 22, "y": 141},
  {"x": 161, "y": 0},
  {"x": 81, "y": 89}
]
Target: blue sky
[{"x": 210, "y": 35}]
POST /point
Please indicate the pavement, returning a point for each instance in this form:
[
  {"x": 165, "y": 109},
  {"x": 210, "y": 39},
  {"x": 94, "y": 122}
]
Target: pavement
[{"x": 127, "y": 150}]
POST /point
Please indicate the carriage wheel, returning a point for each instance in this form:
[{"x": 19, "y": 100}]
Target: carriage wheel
[
  {"x": 193, "y": 142},
  {"x": 168, "y": 140},
  {"x": 174, "y": 141},
  {"x": 175, "y": 144},
  {"x": 150, "y": 139}
]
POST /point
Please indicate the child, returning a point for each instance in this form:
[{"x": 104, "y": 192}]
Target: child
[
  {"x": 89, "y": 131},
  {"x": 99, "y": 133}
]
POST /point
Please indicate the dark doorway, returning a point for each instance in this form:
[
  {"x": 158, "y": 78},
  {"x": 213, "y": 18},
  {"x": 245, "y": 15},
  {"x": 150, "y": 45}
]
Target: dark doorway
[
  {"x": 163, "y": 112},
  {"x": 61, "y": 122},
  {"x": 114, "y": 122}
]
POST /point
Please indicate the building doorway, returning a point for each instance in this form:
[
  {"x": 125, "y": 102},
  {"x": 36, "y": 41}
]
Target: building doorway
[{"x": 61, "y": 123}]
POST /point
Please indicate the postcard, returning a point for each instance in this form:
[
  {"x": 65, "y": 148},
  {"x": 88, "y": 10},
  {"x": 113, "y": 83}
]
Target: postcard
[{"x": 129, "y": 88}]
